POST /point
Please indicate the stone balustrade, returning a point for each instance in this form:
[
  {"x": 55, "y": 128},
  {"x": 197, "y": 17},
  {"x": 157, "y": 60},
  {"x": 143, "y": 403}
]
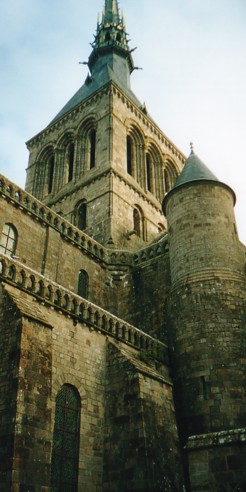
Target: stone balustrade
[
  {"x": 81, "y": 310},
  {"x": 40, "y": 212}
]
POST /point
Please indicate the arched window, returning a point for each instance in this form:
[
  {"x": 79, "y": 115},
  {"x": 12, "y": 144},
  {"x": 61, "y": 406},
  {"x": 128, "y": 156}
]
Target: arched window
[
  {"x": 83, "y": 284},
  {"x": 82, "y": 216},
  {"x": 92, "y": 148},
  {"x": 65, "y": 449},
  {"x": 51, "y": 166},
  {"x": 129, "y": 155},
  {"x": 169, "y": 175},
  {"x": 167, "y": 183},
  {"x": 70, "y": 161},
  {"x": 138, "y": 222},
  {"x": 150, "y": 174},
  {"x": 107, "y": 36},
  {"x": 8, "y": 240}
]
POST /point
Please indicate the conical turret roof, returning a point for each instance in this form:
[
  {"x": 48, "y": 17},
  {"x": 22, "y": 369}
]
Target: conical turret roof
[{"x": 194, "y": 171}]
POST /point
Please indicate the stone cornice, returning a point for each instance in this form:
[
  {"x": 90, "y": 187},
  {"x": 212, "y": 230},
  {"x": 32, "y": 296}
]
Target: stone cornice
[
  {"x": 80, "y": 310},
  {"x": 215, "y": 439}
]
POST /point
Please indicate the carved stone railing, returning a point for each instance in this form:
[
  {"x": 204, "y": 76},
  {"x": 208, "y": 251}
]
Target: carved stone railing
[
  {"x": 81, "y": 310},
  {"x": 159, "y": 248},
  {"x": 42, "y": 213},
  {"x": 33, "y": 207}
]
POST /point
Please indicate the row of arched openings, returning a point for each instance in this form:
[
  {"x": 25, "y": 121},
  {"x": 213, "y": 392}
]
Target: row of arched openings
[
  {"x": 59, "y": 165},
  {"x": 147, "y": 167}
]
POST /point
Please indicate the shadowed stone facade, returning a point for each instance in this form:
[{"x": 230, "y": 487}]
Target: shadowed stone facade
[{"x": 122, "y": 328}]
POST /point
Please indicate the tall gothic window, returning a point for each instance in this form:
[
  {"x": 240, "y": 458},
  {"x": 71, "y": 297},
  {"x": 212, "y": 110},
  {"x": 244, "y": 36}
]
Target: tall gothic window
[
  {"x": 65, "y": 449},
  {"x": 148, "y": 173},
  {"x": 92, "y": 148},
  {"x": 167, "y": 183},
  {"x": 129, "y": 155},
  {"x": 8, "y": 240},
  {"x": 82, "y": 216},
  {"x": 70, "y": 161},
  {"x": 170, "y": 175},
  {"x": 138, "y": 222},
  {"x": 51, "y": 166},
  {"x": 83, "y": 284}
]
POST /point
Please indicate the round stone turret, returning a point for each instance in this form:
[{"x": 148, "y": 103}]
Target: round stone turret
[
  {"x": 201, "y": 223},
  {"x": 206, "y": 321}
]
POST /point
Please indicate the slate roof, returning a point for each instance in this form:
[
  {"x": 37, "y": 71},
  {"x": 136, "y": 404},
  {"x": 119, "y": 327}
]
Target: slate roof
[
  {"x": 92, "y": 84},
  {"x": 193, "y": 170}
]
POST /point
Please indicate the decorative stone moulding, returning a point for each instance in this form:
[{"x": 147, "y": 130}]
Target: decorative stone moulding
[{"x": 79, "y": 309}]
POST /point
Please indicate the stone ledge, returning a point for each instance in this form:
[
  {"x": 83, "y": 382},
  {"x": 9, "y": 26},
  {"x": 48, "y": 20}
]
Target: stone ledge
[{"x": 215, "y": 439}]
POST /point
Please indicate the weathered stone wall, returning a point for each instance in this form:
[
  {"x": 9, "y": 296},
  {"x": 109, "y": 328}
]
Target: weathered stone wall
[
  {"x": 109, "y": 190},
  {"x": 151, "y": 285},
  {"x": 206, "y": 325},
  {"x": 202, "y": 230},
  {"x": 55, "y": 349},
  {"x": 53, "y": 251},
  {"x": 10, "y": 335},
  {"x": 217, "y": 462},
  {"x": 141, "y": 444}
]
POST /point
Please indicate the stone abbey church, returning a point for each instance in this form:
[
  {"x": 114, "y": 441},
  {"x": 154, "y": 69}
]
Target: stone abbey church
[{"x": 122, "y": 314}]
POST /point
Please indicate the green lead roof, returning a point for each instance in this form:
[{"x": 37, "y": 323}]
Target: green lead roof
[{"x": 110, "y": 59}]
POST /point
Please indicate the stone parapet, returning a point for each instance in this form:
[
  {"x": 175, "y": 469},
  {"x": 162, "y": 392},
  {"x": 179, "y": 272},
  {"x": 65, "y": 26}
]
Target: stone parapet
[{"x": 81, "y": 310}]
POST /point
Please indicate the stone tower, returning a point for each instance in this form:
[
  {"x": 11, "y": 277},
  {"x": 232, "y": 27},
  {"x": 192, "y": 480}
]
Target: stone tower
[
  {"x": 103, "y": 163},
  {"x": 123, "y": 348},
  {"x": 207, "y": 326}
]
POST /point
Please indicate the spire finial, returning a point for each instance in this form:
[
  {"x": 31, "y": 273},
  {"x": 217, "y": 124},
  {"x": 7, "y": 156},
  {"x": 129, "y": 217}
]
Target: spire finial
[{"x": 191, "y": 148}]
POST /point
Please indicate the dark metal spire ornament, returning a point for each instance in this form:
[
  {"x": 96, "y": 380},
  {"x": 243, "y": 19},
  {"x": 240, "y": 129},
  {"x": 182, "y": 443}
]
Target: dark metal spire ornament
[
  {"x": 111, "y": 35},
  {"x": 111, "y": 13}
]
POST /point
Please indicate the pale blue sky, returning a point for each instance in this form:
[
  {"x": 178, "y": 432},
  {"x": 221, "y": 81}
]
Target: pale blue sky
[{"x": 193, "y": 55}]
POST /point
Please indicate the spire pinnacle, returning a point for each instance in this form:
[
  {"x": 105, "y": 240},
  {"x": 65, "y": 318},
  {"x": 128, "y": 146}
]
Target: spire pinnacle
[
  {"x": 111, "y": 13},
  {"x": 111, "y": 36},
  {"x": 192, "y": 148}
]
